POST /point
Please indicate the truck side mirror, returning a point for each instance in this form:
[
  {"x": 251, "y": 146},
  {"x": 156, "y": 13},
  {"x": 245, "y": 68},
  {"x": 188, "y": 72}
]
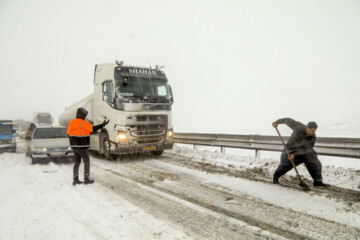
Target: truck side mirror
[
  {"x": 104, "y": 87},
  {"x": 104, "y": 92},
  {"x": 171, "y": 95}
]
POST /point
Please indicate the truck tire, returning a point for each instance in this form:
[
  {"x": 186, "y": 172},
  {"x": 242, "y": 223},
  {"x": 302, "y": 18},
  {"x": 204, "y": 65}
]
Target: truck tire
[
  {"x": 157, "y": 153},
  {"x": 105, "y": 148}
]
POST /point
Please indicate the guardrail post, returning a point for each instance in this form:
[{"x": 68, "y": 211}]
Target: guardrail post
[
  {"x": 257, "y": 153},
  {"x": 223, "y": 150}
]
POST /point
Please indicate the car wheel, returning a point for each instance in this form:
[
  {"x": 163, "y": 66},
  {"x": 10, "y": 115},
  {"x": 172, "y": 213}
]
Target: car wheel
[{"x": 33, "y": 160}]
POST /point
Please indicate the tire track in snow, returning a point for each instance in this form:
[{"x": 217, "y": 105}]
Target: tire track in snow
[{"x": 232, "y": 219}]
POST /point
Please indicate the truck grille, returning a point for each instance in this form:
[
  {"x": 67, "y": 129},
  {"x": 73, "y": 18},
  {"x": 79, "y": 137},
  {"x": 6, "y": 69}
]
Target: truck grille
[
  {"x": 146, "y": 134},
  {"x": 147, "y": 129},
  {"x": 151, "y": 118}
]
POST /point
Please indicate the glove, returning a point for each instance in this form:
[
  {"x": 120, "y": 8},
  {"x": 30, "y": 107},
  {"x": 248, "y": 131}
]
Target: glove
[{"x": 105, "y": 122}]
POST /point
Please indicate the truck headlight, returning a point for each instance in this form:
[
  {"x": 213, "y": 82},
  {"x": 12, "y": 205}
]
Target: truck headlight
[
  {"x": 122, "y": 136},
  {"x": 170, "y": 134},
  {"x": 40, "y": 149}
]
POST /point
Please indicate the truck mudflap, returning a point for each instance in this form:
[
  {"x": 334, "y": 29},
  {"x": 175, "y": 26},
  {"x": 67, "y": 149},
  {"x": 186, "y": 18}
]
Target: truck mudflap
[{"x": 138, "y": 149}]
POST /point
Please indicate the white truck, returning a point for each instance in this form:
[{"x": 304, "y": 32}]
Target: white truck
[
  {"x": 137, "y": 101},
  {"x": 42, "y": 119}
]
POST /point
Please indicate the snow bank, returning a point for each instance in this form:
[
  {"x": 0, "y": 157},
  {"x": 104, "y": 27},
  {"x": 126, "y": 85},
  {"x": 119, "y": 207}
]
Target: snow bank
[{"x": 338, "y": 176}]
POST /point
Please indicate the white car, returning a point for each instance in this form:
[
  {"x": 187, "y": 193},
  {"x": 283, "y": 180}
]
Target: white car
[{"x": 49, "y": 142}]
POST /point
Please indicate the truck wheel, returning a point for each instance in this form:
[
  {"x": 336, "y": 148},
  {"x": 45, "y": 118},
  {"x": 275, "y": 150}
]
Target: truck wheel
[
  {"x": 106, "y": 148},
  {"x": 157, "y": 153}
]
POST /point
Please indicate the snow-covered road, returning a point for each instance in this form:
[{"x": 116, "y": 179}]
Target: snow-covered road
[
  {"x": 185, "y": 194},
  {"x": 39, "y": 202}
]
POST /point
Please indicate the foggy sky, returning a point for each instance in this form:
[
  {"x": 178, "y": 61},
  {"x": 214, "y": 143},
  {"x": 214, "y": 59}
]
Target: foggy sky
[{"x": 233, "y": 65}]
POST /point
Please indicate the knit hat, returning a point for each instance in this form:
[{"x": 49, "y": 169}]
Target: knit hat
[{"x": 312, "y": 125}]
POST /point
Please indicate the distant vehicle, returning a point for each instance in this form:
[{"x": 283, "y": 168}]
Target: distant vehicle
[
  {"x": 49, "y": 142},
  {"x": 20, "y": 126},
  {"x": 23, "y": 131},
  {"x": 7, "y": 137},
  {"x": 42, "y": 119}
]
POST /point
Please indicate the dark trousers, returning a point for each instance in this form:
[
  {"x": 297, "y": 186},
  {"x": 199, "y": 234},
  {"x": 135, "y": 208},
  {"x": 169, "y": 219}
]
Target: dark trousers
[
  {"x": 84, "y": 154},
  {"x": 311, "y": 161}
]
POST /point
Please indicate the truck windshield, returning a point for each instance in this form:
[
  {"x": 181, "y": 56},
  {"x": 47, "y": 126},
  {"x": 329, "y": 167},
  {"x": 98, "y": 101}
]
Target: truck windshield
[
  {"x": 142, "y": 87},
  {"x": 50, "y": 133},
  {"x": 46, "y": 119},
  {"x": 5, "y": 129}
]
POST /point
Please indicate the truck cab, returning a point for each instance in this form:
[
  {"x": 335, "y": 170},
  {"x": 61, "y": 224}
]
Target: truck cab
[
  {"x": 7, "y": 136},
  {"x": 138, "y": 103}
]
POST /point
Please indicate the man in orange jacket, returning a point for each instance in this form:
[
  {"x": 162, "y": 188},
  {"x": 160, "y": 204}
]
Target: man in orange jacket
[{"x": 79, "y": 135}]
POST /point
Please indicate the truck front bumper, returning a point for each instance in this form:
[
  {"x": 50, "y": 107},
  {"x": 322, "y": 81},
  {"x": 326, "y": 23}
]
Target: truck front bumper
[{"x": 143, "y": 148}]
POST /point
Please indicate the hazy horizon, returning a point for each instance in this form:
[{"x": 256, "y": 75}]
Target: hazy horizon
[{"x": 233, "y": 65}]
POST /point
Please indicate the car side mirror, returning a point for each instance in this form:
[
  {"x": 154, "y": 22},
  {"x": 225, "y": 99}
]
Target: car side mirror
[{"x": 28, "y": 138}]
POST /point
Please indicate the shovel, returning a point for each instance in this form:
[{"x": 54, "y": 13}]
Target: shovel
[{"x": 303, "y": 185}]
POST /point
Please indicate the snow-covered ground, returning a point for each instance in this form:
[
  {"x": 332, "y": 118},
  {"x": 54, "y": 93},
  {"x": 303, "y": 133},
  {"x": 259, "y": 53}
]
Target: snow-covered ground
[
  {"x": 339, "y": 172},
  {"x": 39, "y": 202},
  {"x": 173, "y": 197}
]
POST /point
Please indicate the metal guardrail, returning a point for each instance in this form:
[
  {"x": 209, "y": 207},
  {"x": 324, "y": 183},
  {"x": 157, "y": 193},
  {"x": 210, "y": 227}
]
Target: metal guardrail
[{"x": 327, "y": 146}]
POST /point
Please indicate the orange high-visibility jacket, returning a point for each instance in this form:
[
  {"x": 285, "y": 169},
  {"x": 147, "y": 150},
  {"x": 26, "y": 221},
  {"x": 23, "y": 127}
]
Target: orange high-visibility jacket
[
  {"x": 79, "y": 128},
  {"x": 79, "y": 132}
]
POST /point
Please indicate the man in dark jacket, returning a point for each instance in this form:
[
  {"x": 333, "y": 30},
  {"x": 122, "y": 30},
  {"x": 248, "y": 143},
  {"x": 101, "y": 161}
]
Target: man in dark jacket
[
  {"x": 79, "y": 135},
  {"x": 301, "y": 148}
]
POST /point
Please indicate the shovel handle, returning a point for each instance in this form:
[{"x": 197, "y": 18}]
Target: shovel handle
[
  {"x": 287, "y": 151},
  {"x": 282, "y": 140}
]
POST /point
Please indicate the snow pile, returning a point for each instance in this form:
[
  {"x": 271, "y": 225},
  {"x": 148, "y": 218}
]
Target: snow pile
[{"x": 337, "y": 176}]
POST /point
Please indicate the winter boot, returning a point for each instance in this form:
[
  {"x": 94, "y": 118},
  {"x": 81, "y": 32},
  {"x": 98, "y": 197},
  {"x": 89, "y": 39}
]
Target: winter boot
[
  {"x": 276, "y": 180},
  {"x": 88, "y": 180},
  {"x": 77, "y": 181},
  {"x": 320, "y": 184}
]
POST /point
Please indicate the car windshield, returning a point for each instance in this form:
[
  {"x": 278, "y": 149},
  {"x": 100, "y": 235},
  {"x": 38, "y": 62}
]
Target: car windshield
[
  {"x": 133, "y": 86},
  {"x": 50, "y": 133},
  {"x": 5, "y": 129}
]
